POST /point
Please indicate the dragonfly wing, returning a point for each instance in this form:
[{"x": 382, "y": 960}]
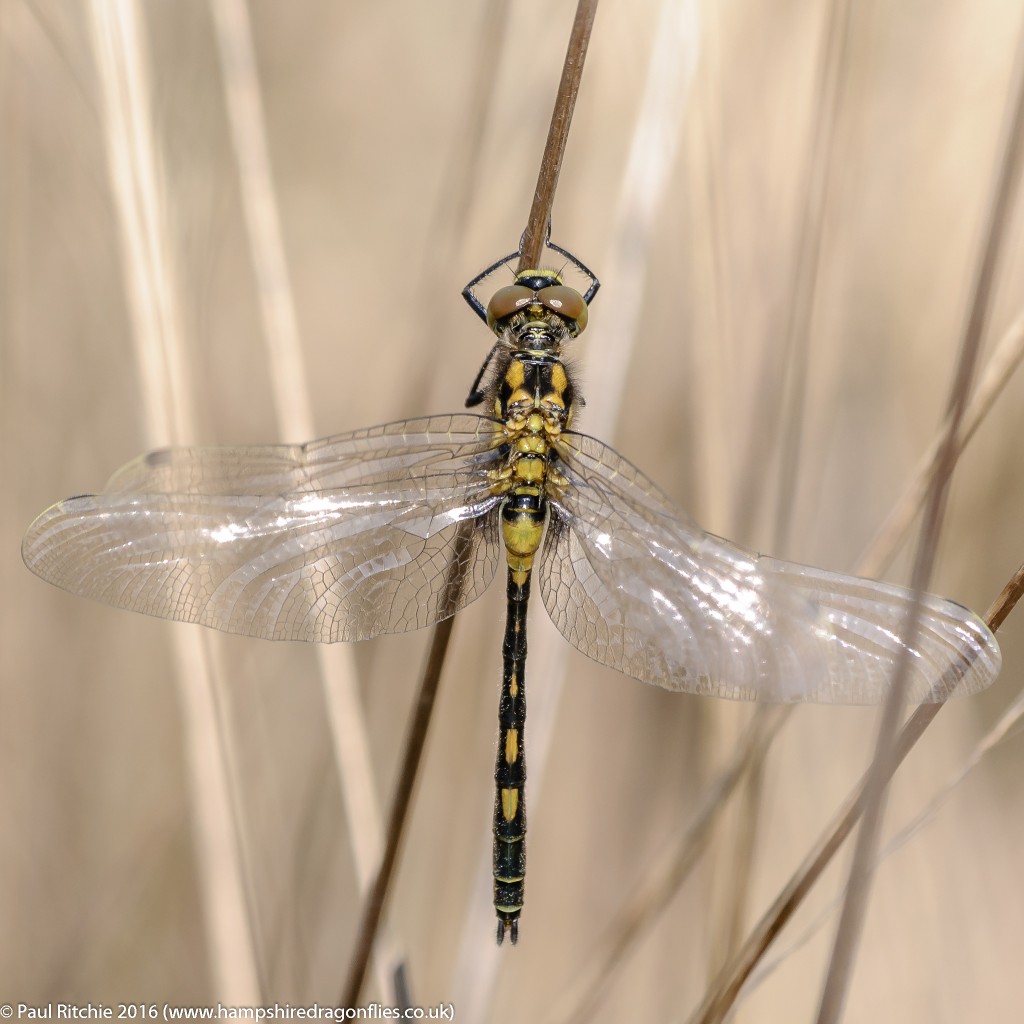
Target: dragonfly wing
[
  {"x": 371, "y": 455},
  {"x": 634, "y": 584},
  {"x": 379, "y": 531}
]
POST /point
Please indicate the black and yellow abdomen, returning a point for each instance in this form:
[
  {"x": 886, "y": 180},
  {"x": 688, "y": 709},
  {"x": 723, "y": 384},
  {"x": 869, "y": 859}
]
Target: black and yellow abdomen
[{"x": 522, "y": 521}]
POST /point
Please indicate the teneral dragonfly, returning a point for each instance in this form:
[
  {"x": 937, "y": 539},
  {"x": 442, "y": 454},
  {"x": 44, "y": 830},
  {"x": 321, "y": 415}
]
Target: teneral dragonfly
[{"x": 393, "y": 528}]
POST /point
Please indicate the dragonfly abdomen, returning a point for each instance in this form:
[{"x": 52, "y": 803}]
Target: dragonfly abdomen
[{"x": 522, "y": 519}]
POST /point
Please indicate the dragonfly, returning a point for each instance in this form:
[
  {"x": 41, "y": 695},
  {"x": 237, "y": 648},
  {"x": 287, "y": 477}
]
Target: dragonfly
[{"x": 396, "y": 527}]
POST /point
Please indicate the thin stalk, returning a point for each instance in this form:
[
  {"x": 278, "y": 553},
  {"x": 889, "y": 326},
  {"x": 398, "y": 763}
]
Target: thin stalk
[
  {"x": 998, "y": 372},
  {"x": 663, "y": 879},
  {"x": 373, "y": 905},
  {"x": 819, "y": 183},
  {"x": 721, "y": 997},
  {"x": 855, "y": 906},
  {"x": 460, "y": 184},
  {"x": 785, "y": 374},
  {"x": 148, "y": 261},
  {"x": 290, "y": 387},
  {"x": 538, "y": 224}
]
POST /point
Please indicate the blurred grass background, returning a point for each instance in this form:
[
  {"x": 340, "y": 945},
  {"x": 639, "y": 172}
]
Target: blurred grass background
[{"x": 387, "y": 209}]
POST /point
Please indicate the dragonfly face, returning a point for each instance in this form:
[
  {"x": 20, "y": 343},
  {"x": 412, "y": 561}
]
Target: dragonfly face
[
  {"x": 394, "y": 528},
  {"x": 538, "y": 298}
]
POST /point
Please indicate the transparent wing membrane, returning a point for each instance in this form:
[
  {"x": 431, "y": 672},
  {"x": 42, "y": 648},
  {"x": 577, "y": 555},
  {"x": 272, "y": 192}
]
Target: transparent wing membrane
[
  {"x": 341, "y": 539},
  {"x": 374, "y": 455},
  {"x": 635, "y": 585},
  {"x": 392, "y": 528}
]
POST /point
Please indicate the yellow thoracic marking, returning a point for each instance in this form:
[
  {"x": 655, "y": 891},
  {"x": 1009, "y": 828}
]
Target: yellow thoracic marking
[
  {"x": 519, "y": 394},
  {"x": 512, "y": 746},
  {"x": 515, "y": 375},
  {"x": 558, "y": 378},
  {"x": 509, "y": 803},
  {"x": 532, "y": 443},
  {"x": 530, "y": 470}
]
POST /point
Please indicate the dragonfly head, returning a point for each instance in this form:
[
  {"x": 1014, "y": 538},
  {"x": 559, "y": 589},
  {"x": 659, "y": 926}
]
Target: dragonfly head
[{"x": 538, "y": 302}]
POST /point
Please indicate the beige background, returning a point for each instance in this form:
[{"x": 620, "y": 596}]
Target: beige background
[{"x": 387, "y": 209}]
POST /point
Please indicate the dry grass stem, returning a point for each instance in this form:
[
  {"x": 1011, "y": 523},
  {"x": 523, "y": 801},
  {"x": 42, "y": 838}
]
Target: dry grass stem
[
  {"x": 997, "y": 373},
  {"x": 663, "y": 879},
  {"x": 723, "y": 994},
  {"x": 714, "y": 344},
  {"x": 996, "y": 229},
  {"x": 289, "y": 383},
  {"x": 273, "y": 282},
  {"x": 449, "y": 219},
  {"x": 148, "y": 262},
  {"x": 999, "y": 732},
  {"x": 780, "y": 411},
  {"x": 646, "y": 180},
  {"x": 739, "y": 856},
  {"x": 539, "y": 222},
  {"x": 373, "y": 906},
  {"x": 461, "y": 177},
  {"x": 820, "y": 182}
]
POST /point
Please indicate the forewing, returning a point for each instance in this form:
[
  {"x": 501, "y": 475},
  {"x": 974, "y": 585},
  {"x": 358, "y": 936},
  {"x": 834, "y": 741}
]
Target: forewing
[
  {"x": 372, "y": 455},
  {"x": 634, "y": 584},
  {"x": 378, "y": 531}
]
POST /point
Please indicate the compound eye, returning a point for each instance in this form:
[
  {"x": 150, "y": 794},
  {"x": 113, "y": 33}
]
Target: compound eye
[
  {"x": 567, "y": 303},
  {"x": 506, "y": 301}
]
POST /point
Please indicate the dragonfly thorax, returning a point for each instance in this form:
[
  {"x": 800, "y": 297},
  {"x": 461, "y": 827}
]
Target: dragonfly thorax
[
  {"x": 534, "y": 400},
  {"x": 534, "y": 394}
]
